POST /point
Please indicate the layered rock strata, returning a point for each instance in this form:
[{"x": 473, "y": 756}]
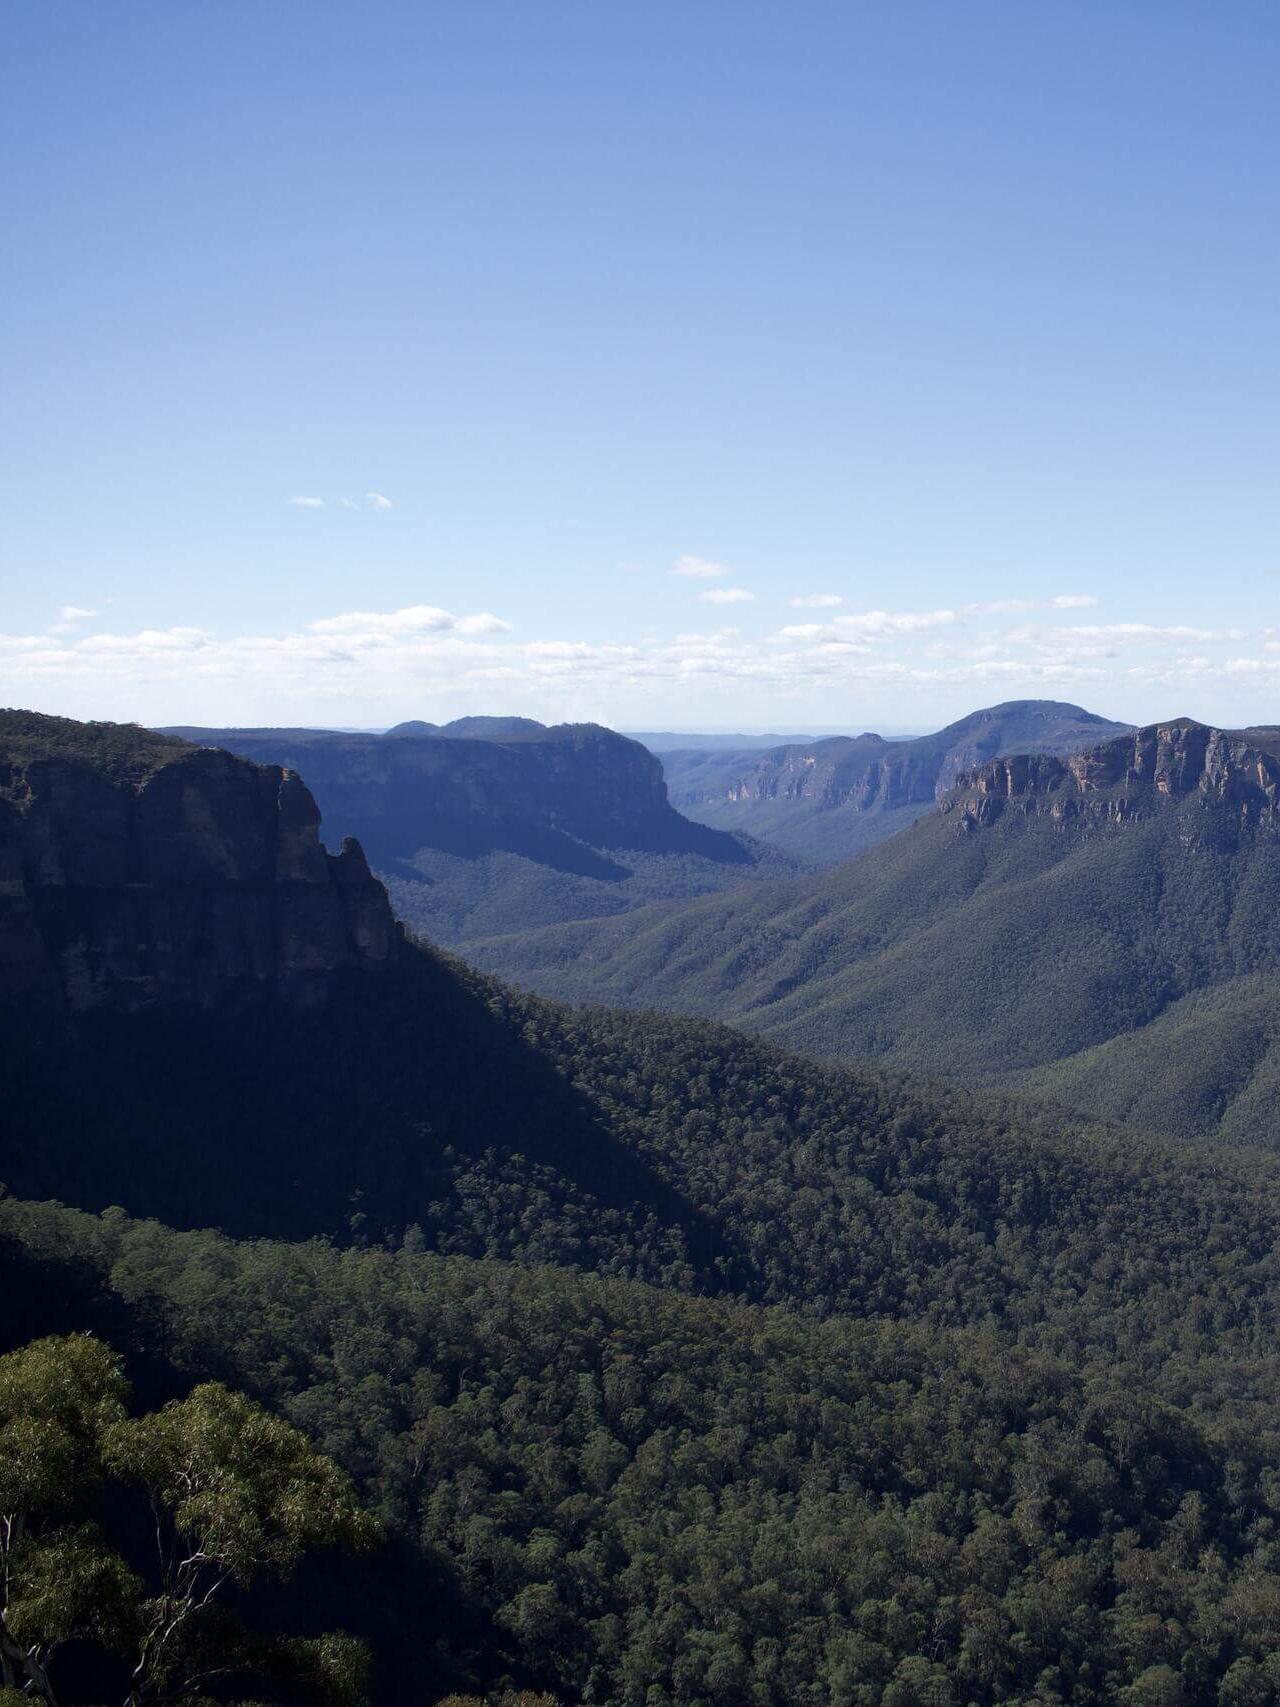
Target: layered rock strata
[
  {"x": 186, "y": 875},
  {"x": 1124, "y": 778}
]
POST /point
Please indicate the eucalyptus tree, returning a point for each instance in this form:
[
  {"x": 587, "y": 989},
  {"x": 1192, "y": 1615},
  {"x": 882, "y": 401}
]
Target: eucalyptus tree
[{"x": 230, "y": 1494}]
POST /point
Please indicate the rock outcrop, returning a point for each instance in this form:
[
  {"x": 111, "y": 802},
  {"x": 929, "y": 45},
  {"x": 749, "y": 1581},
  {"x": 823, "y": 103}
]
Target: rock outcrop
[
  {"x": 498, "y": 825},
  {"x": 481, "y": 783},
  {"x": 1128, "y": 778},
  {"x": 135, "y": 870},
  {"x": 867, "y": 773},
  {"x": 827, "y": 800}
]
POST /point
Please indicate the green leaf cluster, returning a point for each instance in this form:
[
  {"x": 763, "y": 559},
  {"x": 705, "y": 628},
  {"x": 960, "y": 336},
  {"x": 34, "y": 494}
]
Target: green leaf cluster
[{"x": 232, "y": 1494}]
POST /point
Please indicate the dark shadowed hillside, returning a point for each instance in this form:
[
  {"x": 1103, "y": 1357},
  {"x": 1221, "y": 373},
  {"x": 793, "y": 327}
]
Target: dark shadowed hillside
[
  {"x": 678, "y": 1369},
  {"x": 825, "y": 800},
  {"x": 495, "y": 824}
]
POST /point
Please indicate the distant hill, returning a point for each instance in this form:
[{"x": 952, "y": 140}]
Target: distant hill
[
  {"x": 477, "y": 729},
  {"x": 669, "y": 742},
  {"x": 1103, "y": 929},
  {"x": 825, "y": 800},
  {"x": 495, "y": 824}
]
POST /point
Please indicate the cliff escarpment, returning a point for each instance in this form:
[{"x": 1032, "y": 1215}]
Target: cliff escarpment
[
  {"x": 1131, "y": 777},
  {"x": 1102, "y": 927},
  {"x": 469, "y": 791},
  {"x": 826, "y": 800},
  {"x": 868, "y": 772},
  {"x": 135, "y": 869},
  {"x": 493, "y": 824}
]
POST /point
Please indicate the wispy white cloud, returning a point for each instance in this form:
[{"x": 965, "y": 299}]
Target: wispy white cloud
[
  {"x": 148, "y": 641},
  {"x": 1010, "y": 607},
  {"x": 871, "y": 625},
  {"x": 726, "y": 596},
  {"x": 878, "y": 626},
  {"x": 374, "y": 501},
  {"x": 818, "y": 601},
  {"x": 1252, "y": 666},
  {"x": 484, "y": 622},
  {"x": 350, "y": 665},
  {"x": 1150, "y": 631},
  {"x": 69, "y": 617},
  {"x": 699, "y": 569},
  {"x": 413, "y": 619},
  {"x": 1114, "y": 639}
]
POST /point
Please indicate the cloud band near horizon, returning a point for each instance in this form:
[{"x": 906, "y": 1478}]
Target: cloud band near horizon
[{"x": 366, "y": 664}]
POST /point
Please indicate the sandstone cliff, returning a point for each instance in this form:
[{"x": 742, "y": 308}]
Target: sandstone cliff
[
  {"x": 827, "y": 800},
  {"x": 135, "y": 870},
  {"x": 1127, "y": 778},
  {"x": 482, "y": 783},
  {"x": 491, "y": 825},
  {"x": 869, "y": 773}
]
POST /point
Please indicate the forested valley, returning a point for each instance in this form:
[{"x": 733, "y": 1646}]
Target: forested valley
[
  {"x": 474, "y": 1346},
  {"x": 1100, "y": 930},
  {"x": 611, "y": 1095}
]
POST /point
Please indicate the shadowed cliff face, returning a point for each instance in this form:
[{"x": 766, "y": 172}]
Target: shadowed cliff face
[
  {"x": 159, "y": 872},
  {"x": 1125, "y": 778},
  {"x": 551, "y": 794},
  {"x": 496, "y": 824}
]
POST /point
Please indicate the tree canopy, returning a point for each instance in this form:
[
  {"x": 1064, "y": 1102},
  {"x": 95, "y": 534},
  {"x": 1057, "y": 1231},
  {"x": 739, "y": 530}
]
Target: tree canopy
[{"x": 230, "y": 1494}]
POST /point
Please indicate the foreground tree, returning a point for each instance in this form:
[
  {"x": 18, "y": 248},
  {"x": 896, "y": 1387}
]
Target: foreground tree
[{"x": 235, "y": 1494}]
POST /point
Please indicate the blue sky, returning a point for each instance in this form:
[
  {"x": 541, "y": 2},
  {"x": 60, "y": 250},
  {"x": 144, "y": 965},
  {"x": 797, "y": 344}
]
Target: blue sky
[{"x": 962, "y": 315}]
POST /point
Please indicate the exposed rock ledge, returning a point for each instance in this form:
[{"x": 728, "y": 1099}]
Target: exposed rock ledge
[
  {"x": 175, "y": 875},
  {"x": 1127, "y": 777}
]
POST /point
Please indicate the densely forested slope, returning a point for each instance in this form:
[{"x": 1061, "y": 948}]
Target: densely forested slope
[
  {"x": 641, "y": 1146},
  {"x": 497, "y": 824},
  {"x": 118, "y": 751},
  {"x": 1209, "y": 1063},
  {"x": 999, "y": 937},
  {"x": 826, "y": 800},
  {"x": 683, "y": 1370},
  {"x": 647, "y": 1493},
  {"x": 644, "y": 1498}
]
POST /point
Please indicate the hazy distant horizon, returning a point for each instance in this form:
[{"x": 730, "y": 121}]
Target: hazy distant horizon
[{"x": 784, "y": 732}]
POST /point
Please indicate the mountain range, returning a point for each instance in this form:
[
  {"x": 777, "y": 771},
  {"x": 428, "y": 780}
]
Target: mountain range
[
  {"x": 825, "y": 800},
  {"x": 669, "y": 741},
  {"x": 1103, "y": 929},
  {"x": 675, "y": 1367},
  {"x": 493, "y": 824}
]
